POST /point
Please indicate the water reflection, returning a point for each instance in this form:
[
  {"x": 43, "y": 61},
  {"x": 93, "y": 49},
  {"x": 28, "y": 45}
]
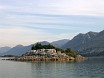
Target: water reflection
[{"x": 91, "y": 68}]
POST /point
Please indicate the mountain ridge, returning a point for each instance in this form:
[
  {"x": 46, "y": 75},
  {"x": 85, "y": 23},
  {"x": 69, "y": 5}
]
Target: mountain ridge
[
  {"x": 87, "y": 44},
  {"x": 4, "y": 49},
  {"x": 20, "y": 49},
  {"x": 90, "y": 44}
]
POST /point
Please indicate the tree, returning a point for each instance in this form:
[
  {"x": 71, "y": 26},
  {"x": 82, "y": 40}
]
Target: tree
[
  {"x": 36, "y": 47},
  {"x": 39, "y": 46},
  {"x": 58, "y": 49},
  {"x": 51, "y": 46},
  {"x": 33, "y": 48},
  {"x": 69, "y": 52}
]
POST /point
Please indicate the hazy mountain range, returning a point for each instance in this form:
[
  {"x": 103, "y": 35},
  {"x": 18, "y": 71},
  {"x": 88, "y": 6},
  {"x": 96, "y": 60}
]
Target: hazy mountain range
[
  {"x": 60, "y": 43},
  {"x": 90, "y": 44},
  {"x": 20, "y": 49},
  {"x": 4, "y": 49}
]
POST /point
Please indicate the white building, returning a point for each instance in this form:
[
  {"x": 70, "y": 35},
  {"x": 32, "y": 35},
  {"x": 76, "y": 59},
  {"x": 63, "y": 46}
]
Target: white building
[{"x": 47, "y": 52}]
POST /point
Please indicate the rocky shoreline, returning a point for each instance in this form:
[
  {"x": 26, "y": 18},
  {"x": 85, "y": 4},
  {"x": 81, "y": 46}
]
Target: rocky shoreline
[
  {"x": 48, "y": 53},
  {"x": 43, "y": 58}
]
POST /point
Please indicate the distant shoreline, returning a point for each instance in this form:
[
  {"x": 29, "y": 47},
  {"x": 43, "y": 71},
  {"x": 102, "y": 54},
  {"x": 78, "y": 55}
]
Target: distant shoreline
[{"x": 42, "y": 58}]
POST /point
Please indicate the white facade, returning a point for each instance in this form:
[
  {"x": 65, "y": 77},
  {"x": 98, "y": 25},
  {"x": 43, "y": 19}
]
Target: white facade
[
  {"x": 48, "y": 52},
  {"x": 33, "y": 51}
]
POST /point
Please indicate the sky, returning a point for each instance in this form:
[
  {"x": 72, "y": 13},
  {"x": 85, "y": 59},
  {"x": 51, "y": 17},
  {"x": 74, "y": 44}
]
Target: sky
[{"x": 28, "y": 21}]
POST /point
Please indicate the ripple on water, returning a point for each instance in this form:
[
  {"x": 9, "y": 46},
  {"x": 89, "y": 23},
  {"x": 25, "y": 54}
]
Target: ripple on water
[{"x": 91, "y": 68}]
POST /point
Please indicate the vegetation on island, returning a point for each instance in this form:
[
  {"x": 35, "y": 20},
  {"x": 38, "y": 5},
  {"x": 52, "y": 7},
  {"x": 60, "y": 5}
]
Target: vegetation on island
[
  {"x": 68, "y": 51},
  {"x": 40, "y": 46},
  {"x": 48, "y": 53}
]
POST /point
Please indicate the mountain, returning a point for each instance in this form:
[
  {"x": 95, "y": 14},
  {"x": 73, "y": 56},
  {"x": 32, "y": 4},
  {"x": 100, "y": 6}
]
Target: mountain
[
  {"x": 59, "y": 43},
  {"x": 95, "y": 46},
  {"x": 90, "y": 44},
  {"x": 4, "y": 49},
  {"x": 44, "y": 42},
  {"x": 17, "y": 50},
  {"x": 80, "y": 40},
  {"x": 20, "y": 49}
]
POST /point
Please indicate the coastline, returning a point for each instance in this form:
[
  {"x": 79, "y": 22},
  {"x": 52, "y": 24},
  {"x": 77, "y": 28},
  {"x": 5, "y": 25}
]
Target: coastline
[{"x": 46, "y": 59}]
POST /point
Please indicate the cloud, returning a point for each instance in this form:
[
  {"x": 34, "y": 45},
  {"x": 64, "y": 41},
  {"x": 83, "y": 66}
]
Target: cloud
[
  {"x": 66, "y": 35},
  {"x": 59, "y": 7},
  {"x": 19, "y": 36},
  {"x": 28, "y": 21},
  {"x": 24, "y": 36},
  {"x": 79, "y": 7}
]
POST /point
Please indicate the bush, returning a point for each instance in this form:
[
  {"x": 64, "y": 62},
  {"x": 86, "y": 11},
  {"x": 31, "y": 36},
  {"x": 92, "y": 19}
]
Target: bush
[
  {"x": 39, "y": 46},
  {"x": 69, "y": 52}
]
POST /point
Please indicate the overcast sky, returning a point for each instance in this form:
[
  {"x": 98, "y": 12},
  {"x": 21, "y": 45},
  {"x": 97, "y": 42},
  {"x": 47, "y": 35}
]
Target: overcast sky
[{"x": 28, "y": 21}]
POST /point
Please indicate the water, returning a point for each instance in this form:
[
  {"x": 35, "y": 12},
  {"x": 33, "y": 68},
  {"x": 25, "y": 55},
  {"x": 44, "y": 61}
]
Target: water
[{"x": 91, "y": 68}]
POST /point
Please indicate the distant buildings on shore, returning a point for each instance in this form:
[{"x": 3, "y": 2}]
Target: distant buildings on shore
[
  {"x": 45, "y": 52},
  {"x": 46, "y": 55}
]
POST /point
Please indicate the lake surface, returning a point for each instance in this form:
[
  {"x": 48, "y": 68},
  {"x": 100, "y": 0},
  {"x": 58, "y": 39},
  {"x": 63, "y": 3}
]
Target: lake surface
[{"x": 91, "y": 68}]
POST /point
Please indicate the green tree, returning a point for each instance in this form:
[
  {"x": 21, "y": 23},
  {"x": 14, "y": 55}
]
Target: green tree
[
  {"x": 58, "y": 49},
  {"x": 33, "y": 48},
  {"x": 39, "y": 46},
  {"x": 69, "y": 52}
]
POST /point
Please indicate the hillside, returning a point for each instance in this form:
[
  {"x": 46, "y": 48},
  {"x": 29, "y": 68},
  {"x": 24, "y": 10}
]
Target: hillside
[
  {"x": 59, "y": 43},
  {"x": 20, "y": 49},
  {"x": 4, "y": 49},
  {"x": 91, "y": 43}
]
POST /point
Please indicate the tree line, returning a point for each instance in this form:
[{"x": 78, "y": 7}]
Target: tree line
[{"x": 68, "y": 51}]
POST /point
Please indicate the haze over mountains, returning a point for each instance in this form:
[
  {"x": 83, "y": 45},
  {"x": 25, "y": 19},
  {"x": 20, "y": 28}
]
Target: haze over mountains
[
  {"x": 59, "y": 43},
  {"x": 90, "y": 44},
  {"x": 4, "y": 49},
  {"x": 20, "y": 49}
]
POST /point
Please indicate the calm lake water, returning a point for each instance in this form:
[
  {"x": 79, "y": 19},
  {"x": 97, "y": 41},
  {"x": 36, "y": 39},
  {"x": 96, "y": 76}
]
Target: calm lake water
[{"x": 91, "y": 68}]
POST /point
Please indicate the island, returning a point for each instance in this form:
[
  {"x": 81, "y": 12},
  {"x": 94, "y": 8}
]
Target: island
[{"x": 48, "y": 52}]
